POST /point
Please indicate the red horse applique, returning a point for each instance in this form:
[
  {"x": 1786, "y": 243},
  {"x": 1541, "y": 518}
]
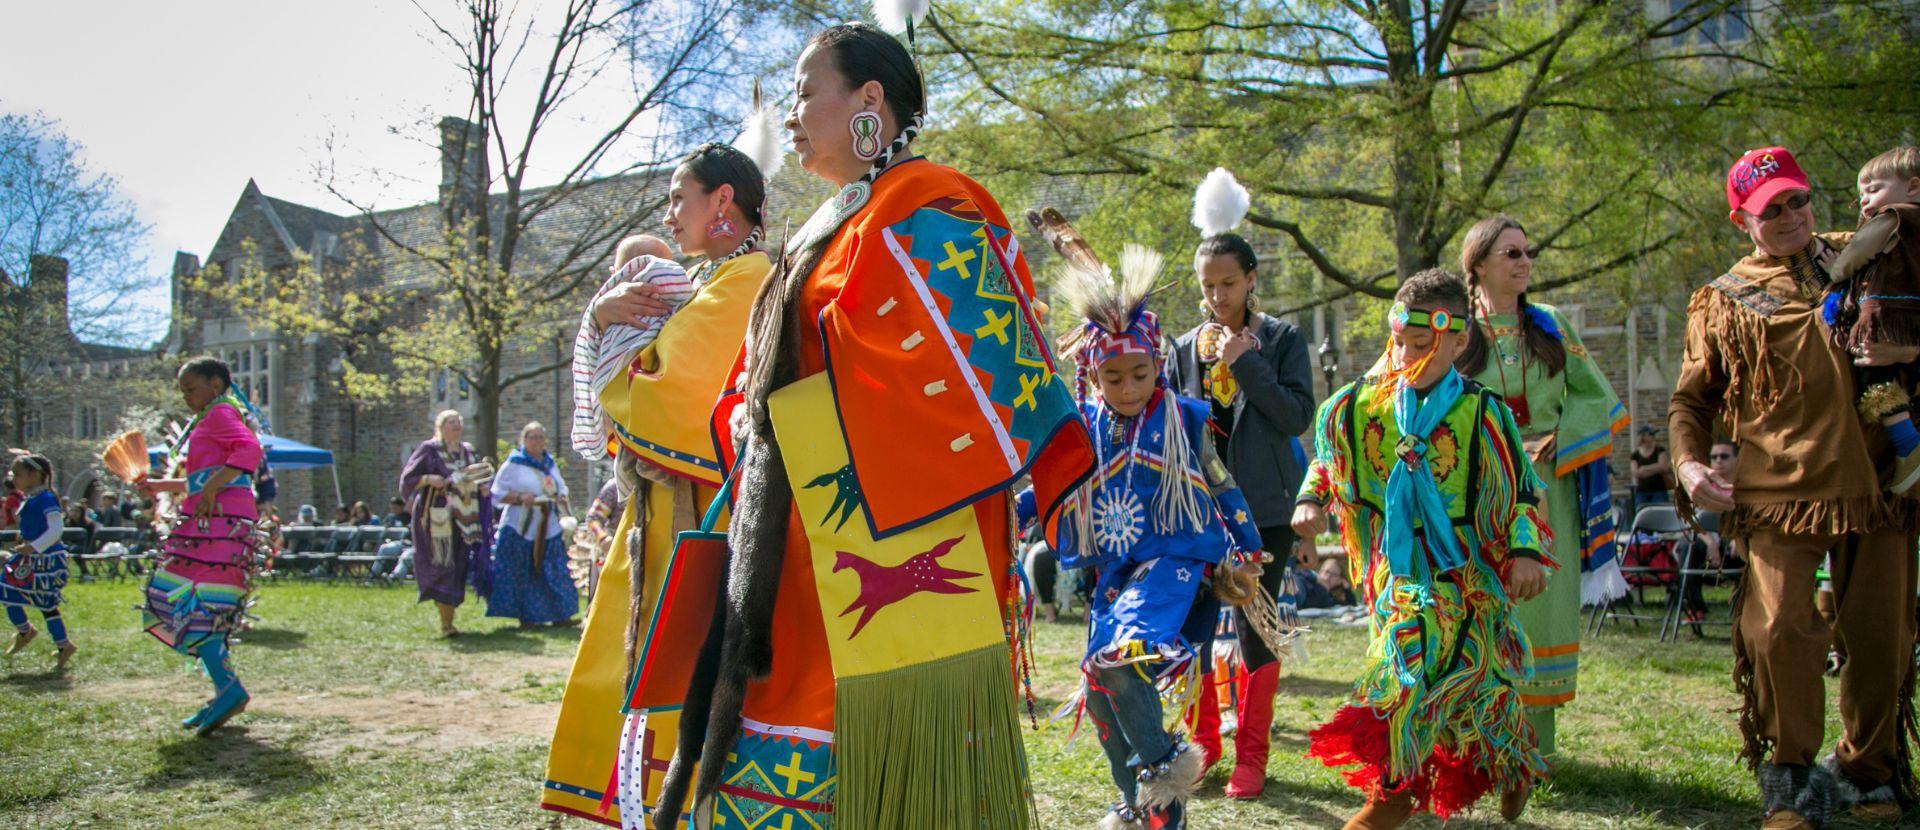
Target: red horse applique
[{"x": 883, "y": 586}]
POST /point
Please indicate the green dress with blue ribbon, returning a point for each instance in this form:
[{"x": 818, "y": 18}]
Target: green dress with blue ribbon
[{"x": 1578, "y": 408}]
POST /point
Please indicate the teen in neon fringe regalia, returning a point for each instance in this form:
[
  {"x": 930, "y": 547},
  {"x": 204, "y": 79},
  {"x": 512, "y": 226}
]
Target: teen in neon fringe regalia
[{"x": 1436, "y": 721}]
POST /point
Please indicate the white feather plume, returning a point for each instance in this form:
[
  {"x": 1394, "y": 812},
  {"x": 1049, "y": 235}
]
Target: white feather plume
[
  {"x": 894, "y": 14},
  {"x": 1219, "y": 203},
  {"x": 760, "y": 140}
]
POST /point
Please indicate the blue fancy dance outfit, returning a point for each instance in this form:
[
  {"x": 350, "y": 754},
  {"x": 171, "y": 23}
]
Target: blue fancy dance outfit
[
  {"x": 1152, "y": 548},
  {"x": 37, "y": 577}
]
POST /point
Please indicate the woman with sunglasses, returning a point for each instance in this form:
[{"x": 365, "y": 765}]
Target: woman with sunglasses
[{"x": 1567, "y": 413}]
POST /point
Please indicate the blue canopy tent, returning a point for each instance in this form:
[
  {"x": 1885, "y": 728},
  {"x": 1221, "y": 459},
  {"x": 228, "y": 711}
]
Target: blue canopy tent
[{"x": 282, "y": 454}]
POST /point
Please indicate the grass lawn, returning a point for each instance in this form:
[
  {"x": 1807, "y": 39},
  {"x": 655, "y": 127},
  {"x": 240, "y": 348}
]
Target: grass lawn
[{"x": 362, "y": 718}]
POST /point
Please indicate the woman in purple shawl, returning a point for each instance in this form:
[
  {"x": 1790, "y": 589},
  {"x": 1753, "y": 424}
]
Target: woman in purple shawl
[{"x": 445, "y": 484}]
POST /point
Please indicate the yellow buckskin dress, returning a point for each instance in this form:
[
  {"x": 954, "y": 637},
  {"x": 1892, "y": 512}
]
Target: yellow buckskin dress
[{"x": 658, "y": 411}]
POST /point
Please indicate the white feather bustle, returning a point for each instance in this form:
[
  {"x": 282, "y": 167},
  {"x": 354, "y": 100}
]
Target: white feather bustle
[
  {"x": 893, "y": 15},
  {"x": 1219, "y": 203}
]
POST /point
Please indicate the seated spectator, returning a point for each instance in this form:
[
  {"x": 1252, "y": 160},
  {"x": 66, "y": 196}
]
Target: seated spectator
[
  {"x": 1710, "y": 550},
  {"x": 308, "y": 515},
  {"x": 397, "y": 515},
  {"x": 342, "y": 516},
  {"x": 1652, "y": 470},
  {"x": 1331, "y": 583},
  {"x": 360, "y": 515},
  {"x": 110, "y": 512},
  {"x": 79, "y": 516}
]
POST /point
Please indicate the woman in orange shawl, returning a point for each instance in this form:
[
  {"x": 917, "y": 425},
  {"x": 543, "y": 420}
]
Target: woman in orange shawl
[{"x": 897, "y": 382}]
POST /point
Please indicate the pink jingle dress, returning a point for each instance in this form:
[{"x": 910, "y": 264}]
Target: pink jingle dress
[{"x": 199, "y": 590}]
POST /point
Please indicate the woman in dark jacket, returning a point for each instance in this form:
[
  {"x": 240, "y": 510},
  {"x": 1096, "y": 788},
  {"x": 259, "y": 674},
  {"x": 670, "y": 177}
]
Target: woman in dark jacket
[{"x": 1254, "y": 370}]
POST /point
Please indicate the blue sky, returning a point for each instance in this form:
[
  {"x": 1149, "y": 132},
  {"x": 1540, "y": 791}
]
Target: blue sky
[{"x": 184, "y": 102}]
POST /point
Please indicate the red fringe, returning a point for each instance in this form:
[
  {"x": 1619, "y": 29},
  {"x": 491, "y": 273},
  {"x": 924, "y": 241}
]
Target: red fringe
[
  {"x": 1447, "y": 785},
  {"x": 1454, "y": 783}
]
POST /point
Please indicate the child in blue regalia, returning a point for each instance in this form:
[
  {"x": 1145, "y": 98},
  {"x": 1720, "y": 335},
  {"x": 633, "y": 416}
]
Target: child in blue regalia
[
  {"x": 34, "y": 575},
  {"x": 1158, "y": 524}
]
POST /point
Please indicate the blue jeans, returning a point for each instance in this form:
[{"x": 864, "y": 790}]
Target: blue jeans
[
  {"x": 397, "y": 552},
  {"x": 1126, "y": 710}
]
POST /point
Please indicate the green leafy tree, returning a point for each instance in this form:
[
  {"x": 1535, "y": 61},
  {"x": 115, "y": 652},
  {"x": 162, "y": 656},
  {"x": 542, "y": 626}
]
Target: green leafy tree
[{"x": 1372, "y": 134}]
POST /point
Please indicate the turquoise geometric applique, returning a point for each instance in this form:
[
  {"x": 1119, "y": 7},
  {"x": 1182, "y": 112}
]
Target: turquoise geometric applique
[{"x": 846, "y": 500}]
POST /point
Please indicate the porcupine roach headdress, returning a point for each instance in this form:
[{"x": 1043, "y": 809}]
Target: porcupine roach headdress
[{"x": 1118, "y": 322}]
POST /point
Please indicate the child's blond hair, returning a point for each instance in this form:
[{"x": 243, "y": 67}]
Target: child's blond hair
[{"x": 1901, "y": 163}]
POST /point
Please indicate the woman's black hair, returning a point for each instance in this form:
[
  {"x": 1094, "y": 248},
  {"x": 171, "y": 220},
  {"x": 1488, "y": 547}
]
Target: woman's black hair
[
  {"x": 864, "y": 53},
  {"x": 208, "y": 367},
  {"x": 1230, "y": 244},
  {"x": 715, "y": 164},
  {"x": 37, "y": 463}
]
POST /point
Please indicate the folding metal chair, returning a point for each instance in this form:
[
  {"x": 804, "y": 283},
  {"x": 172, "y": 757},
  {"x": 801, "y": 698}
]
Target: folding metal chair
[
  {"x": 1709, "y": 522},
  {"x": 1662, "y": 522}
]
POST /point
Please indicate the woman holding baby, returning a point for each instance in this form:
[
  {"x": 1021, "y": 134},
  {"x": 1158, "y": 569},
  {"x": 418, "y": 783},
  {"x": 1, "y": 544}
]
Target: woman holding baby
[{"x": 653, "y": 394}]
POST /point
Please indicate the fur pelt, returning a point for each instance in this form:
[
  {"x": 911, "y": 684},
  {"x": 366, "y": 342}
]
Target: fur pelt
[
  {"x": 1175, "y": 785},
  {"x": 739, "y": 648}
]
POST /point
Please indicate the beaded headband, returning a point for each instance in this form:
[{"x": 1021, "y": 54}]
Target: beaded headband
[{"x": 1439, "y": 319}]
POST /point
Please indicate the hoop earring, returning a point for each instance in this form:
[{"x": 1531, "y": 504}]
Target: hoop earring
[
  {"x": 1253, "y": 303},
  {"x": 865, "y": 127},
  {"x": 720, "y": 227}
]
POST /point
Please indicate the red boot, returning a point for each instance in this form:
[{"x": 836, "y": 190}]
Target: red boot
[
  {"x": 1204, "y": 722},
  {"x": 1250, "y": 741}
]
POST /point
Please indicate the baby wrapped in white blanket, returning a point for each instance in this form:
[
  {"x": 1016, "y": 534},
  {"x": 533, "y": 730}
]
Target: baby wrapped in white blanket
[{"x": 597, "y": 354}]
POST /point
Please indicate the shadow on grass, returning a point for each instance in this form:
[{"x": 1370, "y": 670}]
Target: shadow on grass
[
  {"x": 47, "y": 680},
  {"x": 1298, "y": 686},
  {"x": 1604, "y": 789},
  {"x": 278, "y": 639},
  {"x": 1306, "y": 801},
  {"x": 511, "y": 639},
  {"x": 232, "y": 755}
]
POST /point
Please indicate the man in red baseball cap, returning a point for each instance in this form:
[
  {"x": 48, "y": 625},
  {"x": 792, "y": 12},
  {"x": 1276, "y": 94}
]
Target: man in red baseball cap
[{"x": 1806, "y": 487}]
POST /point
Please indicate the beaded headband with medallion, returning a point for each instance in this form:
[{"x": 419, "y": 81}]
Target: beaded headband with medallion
[{"x": 1401, "y": 318}]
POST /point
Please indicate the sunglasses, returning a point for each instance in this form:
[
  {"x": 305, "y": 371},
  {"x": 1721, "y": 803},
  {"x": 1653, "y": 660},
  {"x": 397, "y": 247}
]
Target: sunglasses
[
  {"x": 1794, "y": 202},
  {"x": 1514, "y": 253},
  {"x": 1720, "y": 456}
]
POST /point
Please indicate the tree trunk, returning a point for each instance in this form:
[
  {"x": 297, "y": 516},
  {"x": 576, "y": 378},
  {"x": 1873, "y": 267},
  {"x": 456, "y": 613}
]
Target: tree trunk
[{"x": 486, "y": 410}]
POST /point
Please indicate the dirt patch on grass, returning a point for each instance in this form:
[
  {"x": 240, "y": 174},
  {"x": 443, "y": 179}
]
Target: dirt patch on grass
[
  {"x": 432, "y": 723},
  {"x": 509, "y": 699}
]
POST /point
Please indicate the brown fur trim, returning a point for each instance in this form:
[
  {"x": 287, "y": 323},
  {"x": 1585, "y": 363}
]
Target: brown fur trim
[
  {"x": 636, "y": 542},
  {"x": 1881, "y": 400},
  {"x": 1895, "y": 323},
  {"x": 1811, "y": 517},
  {"x": 740, "y": 647}
]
